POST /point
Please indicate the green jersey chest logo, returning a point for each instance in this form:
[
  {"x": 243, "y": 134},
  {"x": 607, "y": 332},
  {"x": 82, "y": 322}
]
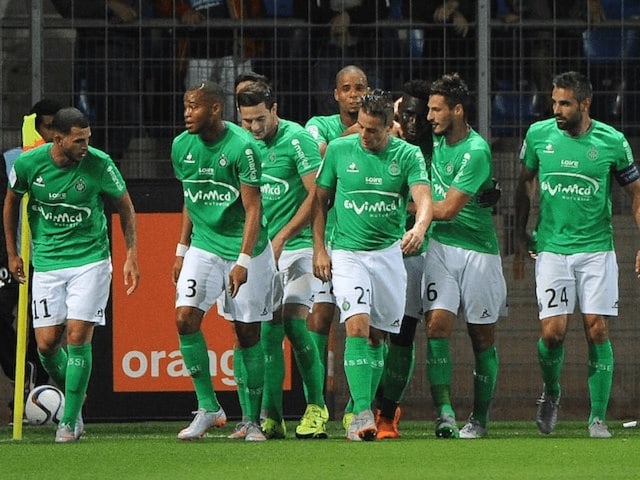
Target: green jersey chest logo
[
  {"x": 394, "y": 168},
  {"x": 223, "y": 161},
  {"x": 352, "y": 168},
  {"x": 80, "y": 185},
  {"x": 592, "y": 154}
]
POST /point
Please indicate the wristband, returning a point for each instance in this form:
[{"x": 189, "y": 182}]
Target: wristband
[
  {"x": 243, "y": 260},
  {"x": 181, "y": 250}
]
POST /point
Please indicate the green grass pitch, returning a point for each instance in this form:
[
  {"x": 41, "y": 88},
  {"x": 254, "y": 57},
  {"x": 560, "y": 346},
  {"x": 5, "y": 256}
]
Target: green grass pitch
[{"x": 150, "y": 450}]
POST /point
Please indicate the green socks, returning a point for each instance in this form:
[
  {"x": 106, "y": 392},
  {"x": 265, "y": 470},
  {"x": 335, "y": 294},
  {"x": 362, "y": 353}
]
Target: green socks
[
  {"x": 600, "y": 378},
  {"x": 306, "y": 354},
  {"x": 376, "y": 360},
  {"x": 196, "y": 358},
  {"x": 439, "y": 374},
  {"x": 321, "y": 341},
  {"x": 240, "y": 375},
  {"x": 358, "y": 371},
  {"x": 272, "y": 335},
  {"x": 56, "y": 366},
  {"x": 550, "y": 361},
  {"x": 253, "y": 358},
  {"x": 484, "y": 383},
  {"x": 77, "y": 379},
  {"x": 398, "y": 370}
]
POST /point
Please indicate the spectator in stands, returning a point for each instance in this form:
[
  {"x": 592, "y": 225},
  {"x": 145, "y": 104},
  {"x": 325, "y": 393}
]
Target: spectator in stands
[{"x": 108, "y": 70}]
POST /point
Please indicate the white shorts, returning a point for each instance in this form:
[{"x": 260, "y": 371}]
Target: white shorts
[
  {"x": 294, "y": 282},
  {"x": 205, "y": 277},
  {"x": 591, "y": 278},
  {"x": 325, "y": 293},
  {"x": 414, "y": 265},
  {"x": 371, "y": 282},
  {"x": 77, "y": 293},
  {"x": 467, "y": 283}
]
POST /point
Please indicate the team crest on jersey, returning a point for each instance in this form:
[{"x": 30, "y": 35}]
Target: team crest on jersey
[
  {"x": 345, "y": 305},
  {"x": 449, "y": 168},
  {"x": 592, "y": 154},
  {"x": 80, "y": 185},
  {"x": 189, "y": 158},
  {"x": 272, "y": 156},
  {"x": 394, "y": 168},
  {"x": 352, "y": 168},
  {"x": 223, "y": 160}
]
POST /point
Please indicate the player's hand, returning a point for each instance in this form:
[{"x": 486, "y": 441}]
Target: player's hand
[
  {"x": 16, "y": 267},
  {"x": 322, "y": 265},
  {"x": 176, "y": 269},
  {"x": 237, "y": 277},
  {"x": 412, "y": 241},
  {"x": 131, "y": 275},
  {"x": 490, "y": 196}
]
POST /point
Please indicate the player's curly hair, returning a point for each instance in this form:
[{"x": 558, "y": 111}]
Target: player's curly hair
[{"x": 453, "y": 89}]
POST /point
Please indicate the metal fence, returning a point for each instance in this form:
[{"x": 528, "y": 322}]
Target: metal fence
[{"x": 130, "y": 77}]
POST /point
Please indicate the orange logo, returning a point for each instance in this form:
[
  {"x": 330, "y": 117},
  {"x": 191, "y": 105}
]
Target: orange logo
[{"x": 146, "y": 353}]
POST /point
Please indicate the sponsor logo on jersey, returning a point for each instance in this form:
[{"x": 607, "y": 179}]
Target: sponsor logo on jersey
[
  {"x": 302, "y": 157},
  {"x": 62, "y": 214},
  {"x": 115, "y": 178},
  {"x": 569, "y": 163},
  {"x": 352, "y": 168},
  {"x": 57, "y": 195},
  {"x": 548, "y": 149},
  {"x": 381, "y": 207},
  {"x": 373, "y": 180},
  {"x": 206, "y": 170},
  {"x": 569, "y": 186},
  {"x": 273, "y": 188},
  {"x": 210, "y": 192},
  {"x": 39, "y": 181}
]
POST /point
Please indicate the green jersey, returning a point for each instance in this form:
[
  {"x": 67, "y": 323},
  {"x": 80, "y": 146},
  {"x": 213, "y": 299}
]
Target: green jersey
[
  {"x": 371, "y": 190},
  {"x": 286, "y": 158},
  {"x": 66, "y": 209},
  {"x": 324, "y": 129},
  {"x": 465, "y": 166},
  {"x": 211, "y": 176},
  {"x": 574, "y": 174}
]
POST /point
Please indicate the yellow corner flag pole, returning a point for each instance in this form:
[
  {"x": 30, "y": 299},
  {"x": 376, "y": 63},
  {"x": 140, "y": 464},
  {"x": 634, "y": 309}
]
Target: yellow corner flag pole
[{"x": 30, "y": 139}]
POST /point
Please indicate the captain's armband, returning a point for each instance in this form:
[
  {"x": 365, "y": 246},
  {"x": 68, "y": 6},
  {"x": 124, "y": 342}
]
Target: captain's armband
[{"x": 628, "y": 175}]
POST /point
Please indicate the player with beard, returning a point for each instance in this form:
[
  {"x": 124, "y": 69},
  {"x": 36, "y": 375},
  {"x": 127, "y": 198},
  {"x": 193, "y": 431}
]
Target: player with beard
[
  {"x": 400, "y": 359},
  {"x": 573, "y": 158},
  {"x": 67, "y": 182},
  {"x": 463, "y": 269}
]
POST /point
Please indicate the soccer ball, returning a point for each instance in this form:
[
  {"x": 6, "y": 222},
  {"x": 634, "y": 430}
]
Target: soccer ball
[{"x": 45, "y": 404}]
